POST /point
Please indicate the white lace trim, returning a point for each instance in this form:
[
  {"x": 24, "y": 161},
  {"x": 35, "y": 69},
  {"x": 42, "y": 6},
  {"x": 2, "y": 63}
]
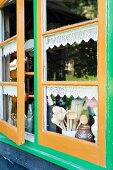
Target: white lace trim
[
  {"x": 10, "y": 90},
  {"x": 0, "y": 64},
  {"x": 7, "y": 90},
  {"x": 85, "y": 33},
  {"x": 75, "y": 91},
  {"x": 9, "y": 48}
]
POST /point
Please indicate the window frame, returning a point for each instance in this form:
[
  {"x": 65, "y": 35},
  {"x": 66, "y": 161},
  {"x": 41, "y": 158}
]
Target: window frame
[
  {"x": 91, "y": 152},
  {"x": 2, "y": 2},
  {"x": 17, "y": 134}
]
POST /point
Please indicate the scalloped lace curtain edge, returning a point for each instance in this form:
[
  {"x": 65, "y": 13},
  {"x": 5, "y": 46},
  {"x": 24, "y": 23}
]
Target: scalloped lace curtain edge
[
  {"x": 85, "y": 33},
  {"x": 77, "y": 91},
  {"x": 9, "y": 48},
  {"x": 9, "y": 90}
]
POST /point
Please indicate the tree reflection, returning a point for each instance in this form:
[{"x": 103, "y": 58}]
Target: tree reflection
[{"x": 72, "y": 62}]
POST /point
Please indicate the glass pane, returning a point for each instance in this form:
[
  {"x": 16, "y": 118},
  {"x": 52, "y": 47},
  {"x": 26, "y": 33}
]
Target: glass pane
[
  {"x": 8, "y": 98},
  {"x": 29, "y": 32},
  {"x": 29, "y": 115},
  {"x": 66, "y": 12},
  {"x": 29, "y": 67},
  {"x": 76, "y": 62},
  {"x": 9, "y": 12},
  {"x": 8, "y": 61},
  {"x": 29, "y": 88},
  {"x": 29, "y": 71},
  {"x": 72, "y": 111},
  {"x": 9, "y": 67}
]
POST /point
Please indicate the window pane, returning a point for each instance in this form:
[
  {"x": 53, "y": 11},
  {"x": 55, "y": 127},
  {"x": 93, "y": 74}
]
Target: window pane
[
  {"x": 72, "y": 111},
  {"x": 76, "y": 62},
  {"x": 8, "y": 104},
  {"x": 9, "y": 23},
  {"x": 29, "y": 119},
  {"x": 29, "y": 70},
  {"x": 8, "y": 61},
  {"x": 66, "y": 12},
  {"x": 9, "y": 67},
  {"x": 29, "y": 32}
]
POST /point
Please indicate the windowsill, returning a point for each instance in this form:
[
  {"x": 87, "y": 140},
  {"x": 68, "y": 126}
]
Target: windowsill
[{"x": 29, "y": 136}]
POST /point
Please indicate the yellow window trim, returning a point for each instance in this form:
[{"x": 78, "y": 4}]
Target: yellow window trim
[
  {"x": 91, "y": 152},
  {"x": 2, "y": 2},
  {"x": 17, "y": 134}
]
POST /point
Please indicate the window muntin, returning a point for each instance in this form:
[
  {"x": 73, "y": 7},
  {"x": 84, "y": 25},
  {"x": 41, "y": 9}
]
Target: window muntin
[{"x": 66, "y": 12}]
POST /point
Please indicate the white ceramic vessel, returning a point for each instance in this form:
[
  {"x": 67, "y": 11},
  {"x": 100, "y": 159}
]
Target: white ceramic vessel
[{"x": 69, "y": 133}]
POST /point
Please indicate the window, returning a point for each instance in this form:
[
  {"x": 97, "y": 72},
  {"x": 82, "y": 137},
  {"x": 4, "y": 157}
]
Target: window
[
  {"x": 17, "y": 68},
  {"x": 71, "y": 85},
  {"x": 12, "y": 93}
]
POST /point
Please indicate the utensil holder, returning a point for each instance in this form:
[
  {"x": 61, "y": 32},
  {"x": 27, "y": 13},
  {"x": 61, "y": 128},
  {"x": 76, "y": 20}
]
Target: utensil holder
[{"x": 69, "y": 133}]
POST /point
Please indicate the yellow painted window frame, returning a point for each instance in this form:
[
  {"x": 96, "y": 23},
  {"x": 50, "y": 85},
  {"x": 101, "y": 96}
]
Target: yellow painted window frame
[
  {"x": 17, "y": 134},
  {"x": 2, "y": 2},
  {"x": 91, "y": 152}
]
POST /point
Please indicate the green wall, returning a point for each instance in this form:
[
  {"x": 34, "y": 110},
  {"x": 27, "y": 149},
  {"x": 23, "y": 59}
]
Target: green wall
[
  {"x": 62, "y": 159},
  {"x": 109, "y": 87}
]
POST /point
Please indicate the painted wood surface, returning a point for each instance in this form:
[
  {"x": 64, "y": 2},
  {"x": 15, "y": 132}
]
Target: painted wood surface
[
  {"x": 2, "y": 2},
  {"x": 88, "y": 151},
  {"x": 17, "y": 134}
]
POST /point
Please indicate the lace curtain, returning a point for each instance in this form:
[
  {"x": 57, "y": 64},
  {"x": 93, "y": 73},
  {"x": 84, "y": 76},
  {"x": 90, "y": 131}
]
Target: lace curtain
[
  {"x": 75, "y": 91},
  {"x": 85, "y": 33},
  {"x": 8, "y": 90},
  {"x": 9, "y": 48}
]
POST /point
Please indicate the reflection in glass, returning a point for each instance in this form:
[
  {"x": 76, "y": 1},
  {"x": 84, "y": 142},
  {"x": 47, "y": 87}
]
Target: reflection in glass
[
  {"x": 72, "y": 111},
  {"x": 9, "y": 67},
  {"x": 9, "y": 19},
  {"x": 66, "y": 12},
  {"x": 77, "y": 62}
]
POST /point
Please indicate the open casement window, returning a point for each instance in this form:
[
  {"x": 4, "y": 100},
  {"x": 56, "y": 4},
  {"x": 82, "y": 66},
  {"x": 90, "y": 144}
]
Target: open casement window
[
  {"x": 71, "y": 85},
  {"x": 12, "y": 93}
]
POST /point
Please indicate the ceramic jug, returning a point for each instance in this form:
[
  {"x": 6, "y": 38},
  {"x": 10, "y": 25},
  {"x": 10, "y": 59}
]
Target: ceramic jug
[{"x": 84, "y": 132}]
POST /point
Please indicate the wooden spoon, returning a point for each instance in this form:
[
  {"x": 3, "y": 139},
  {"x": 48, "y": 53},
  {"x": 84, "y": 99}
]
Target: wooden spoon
[
  {"x": 70, "y": 117},
  {"x": 83, "y": 120},
  {"x": 55, "y": 121}
]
